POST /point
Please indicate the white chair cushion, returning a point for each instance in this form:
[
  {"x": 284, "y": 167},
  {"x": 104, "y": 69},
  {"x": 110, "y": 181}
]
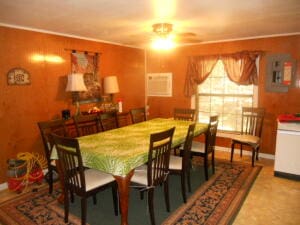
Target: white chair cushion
[
  {"x": 53, "y": 162},
  {"x": 198, "y": 147},
  {"x": 249, "y": 139},
  {"x": 140, "y": 176},
  {"x": 142, "y": 167},
  {"x": 96, "y": 178},
  {"x": 175, "y": 163}
]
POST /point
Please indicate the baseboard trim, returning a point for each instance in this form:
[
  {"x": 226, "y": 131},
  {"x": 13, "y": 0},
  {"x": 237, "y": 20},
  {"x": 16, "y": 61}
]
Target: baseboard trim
[
  {"x": 287, "y": 175},
  {"x": 237, "y": 151}
]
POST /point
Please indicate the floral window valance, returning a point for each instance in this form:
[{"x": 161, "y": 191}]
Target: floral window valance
[{"x": 240, "y": 68}]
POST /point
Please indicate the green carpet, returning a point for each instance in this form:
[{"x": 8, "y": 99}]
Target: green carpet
[{"x": 213, "y": 202}]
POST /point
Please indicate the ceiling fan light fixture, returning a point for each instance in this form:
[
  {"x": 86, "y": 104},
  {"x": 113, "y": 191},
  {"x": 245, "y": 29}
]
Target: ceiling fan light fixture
[
  {"x": 164, "y": 41},
  {"x": 162, "y": 29},
  {"x": 163, "y": 44}
]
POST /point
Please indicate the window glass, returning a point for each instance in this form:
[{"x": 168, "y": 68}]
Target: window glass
[{"x": 219, "y": 95}]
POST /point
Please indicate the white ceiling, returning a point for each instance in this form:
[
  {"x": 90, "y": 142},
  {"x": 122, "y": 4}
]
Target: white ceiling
[{"x": 129, "y": 22}]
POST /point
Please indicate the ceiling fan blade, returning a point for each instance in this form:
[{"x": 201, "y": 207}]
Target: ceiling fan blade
[{"x": 187, "y": 37}]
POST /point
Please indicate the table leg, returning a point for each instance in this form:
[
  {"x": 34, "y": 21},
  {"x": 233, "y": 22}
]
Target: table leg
[{"x": 123, "y": 187}]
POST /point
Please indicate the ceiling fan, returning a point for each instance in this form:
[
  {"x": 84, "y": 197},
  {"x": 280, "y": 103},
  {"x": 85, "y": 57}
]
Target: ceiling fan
[{"x": 165, "y": 30}]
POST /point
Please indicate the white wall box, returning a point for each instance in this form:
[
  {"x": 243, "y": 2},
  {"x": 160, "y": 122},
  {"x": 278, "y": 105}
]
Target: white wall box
[
  {"x": 159, "y": 84},
  {"x": 287, "y": 155}
]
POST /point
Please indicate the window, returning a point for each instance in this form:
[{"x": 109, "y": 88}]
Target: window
[{"x": 218, "y": 95}]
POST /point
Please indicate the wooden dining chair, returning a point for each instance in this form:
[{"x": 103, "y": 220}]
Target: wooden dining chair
[
  {"x": 108, "y": 121},
  {"x": 181, "y": 165},
  {"x": 87, "y": 124},
  {"x": 79, "y": 180},
  {"x": 157, "y": 170},
  {"x": 251, "y": 130},
  {"x": 46, "y": 128},
  {"x": 184, "y": 114},
  {"x": 207, "y": 149},
  {"x": 138, "y": 115}
]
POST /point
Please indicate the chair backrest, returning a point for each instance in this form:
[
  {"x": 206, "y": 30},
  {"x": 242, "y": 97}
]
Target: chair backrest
[
  {"x": 188, "y": 146},
  {"x": 138, "y": 115},
  {"x": 87, "y": 124},
  {"x": 48, "y": 127},
  {"x": 252, "y": 121},
  {"x": 184, "y": 114},
  {"x": 159, "y": 156},
  {"x": 70, "y": 161},
  {"x": 108, "y": 121},
  {"x": 211, "y": 134}
]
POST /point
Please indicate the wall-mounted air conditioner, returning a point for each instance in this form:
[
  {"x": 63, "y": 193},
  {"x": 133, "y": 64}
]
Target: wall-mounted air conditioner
[{"x": 159, "y": 84}]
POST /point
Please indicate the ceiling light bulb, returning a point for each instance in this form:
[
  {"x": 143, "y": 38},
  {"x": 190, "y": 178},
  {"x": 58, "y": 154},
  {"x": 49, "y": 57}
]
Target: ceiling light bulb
[{"x": 163, "y": 44}]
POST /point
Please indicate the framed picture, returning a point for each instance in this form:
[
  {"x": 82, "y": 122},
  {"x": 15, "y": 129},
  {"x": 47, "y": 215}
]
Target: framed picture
[{"x": 87, "y": 64}]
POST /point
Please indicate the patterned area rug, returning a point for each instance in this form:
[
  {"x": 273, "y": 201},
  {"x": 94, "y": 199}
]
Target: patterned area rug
[
  {"x": 36, "y": 207},
  {"x": 218, "y": 200}
]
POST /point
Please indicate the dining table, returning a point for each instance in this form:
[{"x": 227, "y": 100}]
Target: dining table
[{"x": 119, "y": 151}]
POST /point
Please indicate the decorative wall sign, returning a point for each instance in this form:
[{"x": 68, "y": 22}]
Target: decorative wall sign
[
  {"x": 18, "y": 76},
  {"x": 87, "y": 63}
]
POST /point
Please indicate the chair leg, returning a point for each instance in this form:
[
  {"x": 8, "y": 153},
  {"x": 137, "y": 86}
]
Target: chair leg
[
  {"x": 141, "y": 195},
  {"x": 206, "y": 167},
  {"x": 188, "y": 174},
  {"x": 50, "y": 180},
  {"x": 83, "y": 210},
  {"x": 115, "y": 198},
  {"x": 232, "y": 151},
  {"x": 72, "y": 196},
  {"x": 183, "y": 186},
  {"x": 175, "y": 150},
  {"x": 241, "y": 152},
  {"x": 213, "y": 161},
  {"x": 150, "y": 205},
  {"x": 94, "y": 199},
  {"x": 66, "y": 205},
  {"x": 257, "y": 150},
  {"x": 253, "y": 156},
  {"x": 167, "y": 198}
]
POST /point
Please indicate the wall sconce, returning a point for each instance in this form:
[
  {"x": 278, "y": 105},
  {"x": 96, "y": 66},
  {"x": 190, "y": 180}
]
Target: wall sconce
[
  {"x": 75, "y": 85},
  {"x": 111, "y": 86},
  {"x": 47, "y": 58}
]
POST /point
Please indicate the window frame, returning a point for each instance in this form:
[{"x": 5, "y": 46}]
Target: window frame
[{"x": 195, "y": 100}]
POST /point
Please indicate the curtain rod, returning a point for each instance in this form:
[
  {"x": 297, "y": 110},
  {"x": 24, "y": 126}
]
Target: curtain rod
[
  {"x": 259, "y": 52},
  {"x": 86, "y": 52}
]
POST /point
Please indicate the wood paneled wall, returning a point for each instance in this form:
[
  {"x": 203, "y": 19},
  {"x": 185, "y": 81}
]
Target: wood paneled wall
[
  {"x": 21, "y": 107},
  {"x": 275, "y": 103}
]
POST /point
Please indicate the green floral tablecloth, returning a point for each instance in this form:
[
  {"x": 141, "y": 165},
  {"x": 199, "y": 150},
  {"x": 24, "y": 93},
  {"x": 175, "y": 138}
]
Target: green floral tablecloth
[{"x": 118, "y": 151}]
